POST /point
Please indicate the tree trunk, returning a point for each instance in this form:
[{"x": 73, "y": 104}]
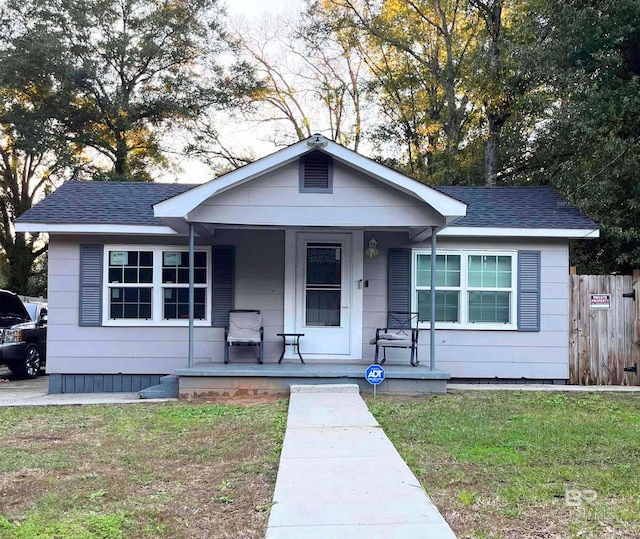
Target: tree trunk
[
  {"x": 20, "y": 258},
  {"x": 121, "y": 167},
  {"x": 491, "y": 151}
]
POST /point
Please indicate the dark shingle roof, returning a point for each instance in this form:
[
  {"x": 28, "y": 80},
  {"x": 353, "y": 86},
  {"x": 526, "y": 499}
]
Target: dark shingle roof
[
  {"x": 100, "y": 203},
  {"x": 131, "y": 203},
  {"x": 517, "y": 207}
]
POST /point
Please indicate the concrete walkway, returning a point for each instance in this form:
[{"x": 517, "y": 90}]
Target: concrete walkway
[{"x": 341, "y": 477}]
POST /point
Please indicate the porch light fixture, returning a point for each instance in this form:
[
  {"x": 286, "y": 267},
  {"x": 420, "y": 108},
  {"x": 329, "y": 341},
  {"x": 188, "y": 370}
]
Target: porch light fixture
[
  {"x": 317, "y": 142},
  {"x": 372, "y": 250}
]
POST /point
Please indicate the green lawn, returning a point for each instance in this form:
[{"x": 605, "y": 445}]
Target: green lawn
[
  {"x": 524, "y": 465},
  {"x": 146, "y": 470}
]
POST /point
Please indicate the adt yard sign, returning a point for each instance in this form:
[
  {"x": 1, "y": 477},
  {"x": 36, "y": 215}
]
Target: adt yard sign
[{"x": 374, "y": 374}]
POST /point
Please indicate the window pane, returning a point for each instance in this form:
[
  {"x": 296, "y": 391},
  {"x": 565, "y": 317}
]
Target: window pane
[
  {"x": 200, "y": 276},
  {"x": 146, "y": 275},
  {"x": 488, "y": 271},
  {"x": 130, "y": 310},
  {"x": 169, "y": 275},
  {"x": 323, "y": 266},
  {"x": 130, "y": 303},
  {"x": 145, "y": 295},
  {"x": 175, "y": 267},
  {"x": 146, "y": 259},
  {"x": 183, "y": 276},
  {"x": 489, "y": 307},
  {"x": 170, "y": 311},
  {"x": 176, "y": 303},
  {"x": 145, "y": 310},
  {"x": 115, "y": 275},
  {"x": 323, "y": 308},
  {"x": 130, "y": 267},
  {"x": 130, "y": 295},
  {"x": 447, "y": 270},
  {"x": 130, "y": 275},
  {"x": 446, "y": 306}
]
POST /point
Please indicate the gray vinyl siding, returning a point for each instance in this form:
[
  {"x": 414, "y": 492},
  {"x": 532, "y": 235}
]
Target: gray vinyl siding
[
  {"x": 259, "y": 284},
  {"x": 159, "y": 349},
  {"x": 485, "y": 354},
  {"x": 275, "y": 199}
]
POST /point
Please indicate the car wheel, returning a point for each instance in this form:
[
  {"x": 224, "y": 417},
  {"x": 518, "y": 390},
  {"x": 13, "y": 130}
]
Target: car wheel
[{"x": 29, "y": 367}]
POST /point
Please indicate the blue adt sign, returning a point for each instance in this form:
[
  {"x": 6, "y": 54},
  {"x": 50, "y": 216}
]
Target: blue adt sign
[{"x": 374, "y": 374}]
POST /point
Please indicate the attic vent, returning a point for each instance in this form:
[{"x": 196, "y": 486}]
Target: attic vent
[{"x": 316, "y": 173}]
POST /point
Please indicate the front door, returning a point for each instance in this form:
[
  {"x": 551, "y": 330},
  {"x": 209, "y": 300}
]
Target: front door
[{"x": 324, "y": 294}]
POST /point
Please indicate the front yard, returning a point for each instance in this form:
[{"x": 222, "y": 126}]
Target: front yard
[
  {"x": 521, "y": 465},
  {"x": 499, "y": 465},
  {"x": 145, "y": 470}
]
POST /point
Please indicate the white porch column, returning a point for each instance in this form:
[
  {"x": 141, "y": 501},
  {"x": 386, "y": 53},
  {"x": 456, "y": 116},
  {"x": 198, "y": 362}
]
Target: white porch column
[
  {"x": 191, "y": 293},
  {"x": 432, "y": 327}
]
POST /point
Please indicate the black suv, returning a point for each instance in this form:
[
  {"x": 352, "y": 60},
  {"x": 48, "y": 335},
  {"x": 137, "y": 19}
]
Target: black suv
[{"x": 23, "y": 342}]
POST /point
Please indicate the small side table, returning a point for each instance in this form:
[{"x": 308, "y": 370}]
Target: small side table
[{"x": 291, "y": 339}]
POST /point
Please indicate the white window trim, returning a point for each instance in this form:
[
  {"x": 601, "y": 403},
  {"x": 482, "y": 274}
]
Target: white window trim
[
  {"x": 157, "y": 288},
  {"x": 465, "y": 289}
]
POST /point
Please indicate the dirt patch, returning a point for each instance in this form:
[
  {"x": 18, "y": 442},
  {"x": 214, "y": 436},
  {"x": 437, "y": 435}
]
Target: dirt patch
[{"x": 239, "y": 398}]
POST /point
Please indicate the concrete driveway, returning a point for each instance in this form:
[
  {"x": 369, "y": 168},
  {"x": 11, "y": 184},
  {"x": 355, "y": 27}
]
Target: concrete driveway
[{"x": 12, "y": 389}]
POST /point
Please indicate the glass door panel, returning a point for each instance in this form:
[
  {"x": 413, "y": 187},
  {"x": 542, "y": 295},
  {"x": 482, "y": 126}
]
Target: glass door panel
[{"x": 323, "y": 285}]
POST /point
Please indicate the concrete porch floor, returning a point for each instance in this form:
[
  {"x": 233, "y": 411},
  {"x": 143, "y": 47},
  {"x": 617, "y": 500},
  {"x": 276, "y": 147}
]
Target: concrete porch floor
[{"x": 219, "y": 379}]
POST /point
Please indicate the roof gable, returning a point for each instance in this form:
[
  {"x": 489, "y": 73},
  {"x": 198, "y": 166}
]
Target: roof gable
[{"x": 181, "y": 205}]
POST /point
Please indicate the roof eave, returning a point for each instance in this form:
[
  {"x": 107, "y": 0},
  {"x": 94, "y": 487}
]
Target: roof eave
[
  {"x": 60, "y": 228},
  {"x": 567, "y": 233}
]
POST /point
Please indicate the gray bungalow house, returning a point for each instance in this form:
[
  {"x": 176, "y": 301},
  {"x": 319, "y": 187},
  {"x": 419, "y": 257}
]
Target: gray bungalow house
[{"x": 119, "y": 276}]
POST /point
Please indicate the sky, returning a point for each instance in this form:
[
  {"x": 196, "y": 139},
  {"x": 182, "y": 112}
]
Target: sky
[
  {"x": 255, "y": 8},
  {"x": 192, "y": 171}
]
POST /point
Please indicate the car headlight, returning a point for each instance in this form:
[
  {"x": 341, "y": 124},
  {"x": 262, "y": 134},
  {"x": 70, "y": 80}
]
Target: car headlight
[{"x": 12, "y": 336}]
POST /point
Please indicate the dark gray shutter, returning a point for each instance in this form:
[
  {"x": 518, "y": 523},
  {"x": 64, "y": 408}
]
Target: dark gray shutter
[
  {"x": 91, "y": 257},
  {"x": 223, "y": 276},
  {"x": 399, "y": 284},
  {"x": 528, "y": 290}
]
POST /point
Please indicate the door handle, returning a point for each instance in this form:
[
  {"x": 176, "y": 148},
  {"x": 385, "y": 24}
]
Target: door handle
[{"x": 345, "y": 306}]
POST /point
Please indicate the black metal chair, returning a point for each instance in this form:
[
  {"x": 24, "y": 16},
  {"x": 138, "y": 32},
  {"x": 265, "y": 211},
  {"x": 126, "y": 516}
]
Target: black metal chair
[
  {"x": 401, "y": 332},
  {"x": 244, "y": 329}
]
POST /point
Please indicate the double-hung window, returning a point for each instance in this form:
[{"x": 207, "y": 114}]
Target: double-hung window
[
  {"x": 150, "y": 286},
  {"x": 473, "y": 289}
]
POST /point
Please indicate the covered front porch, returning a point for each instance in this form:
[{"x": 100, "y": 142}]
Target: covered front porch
[{"x": 210, "y": 380}]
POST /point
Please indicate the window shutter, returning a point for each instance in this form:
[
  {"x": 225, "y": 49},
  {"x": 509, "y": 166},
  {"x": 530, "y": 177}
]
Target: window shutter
[
  {"x": 223, "y": 276},
  {"x": 528, "y": 290},
  {"x": 316, "y": 173},
  {"x": 91, "y": 260},
  {"x": 399, "y": 285}
]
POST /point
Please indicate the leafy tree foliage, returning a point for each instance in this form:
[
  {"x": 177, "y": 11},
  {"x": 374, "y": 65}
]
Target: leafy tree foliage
[
  {"x": 90, "y": 87},
  {"x": 589, "y": 143}
]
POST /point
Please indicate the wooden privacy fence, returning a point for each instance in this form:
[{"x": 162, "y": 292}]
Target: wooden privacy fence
[{"x": 604, "y": 337}]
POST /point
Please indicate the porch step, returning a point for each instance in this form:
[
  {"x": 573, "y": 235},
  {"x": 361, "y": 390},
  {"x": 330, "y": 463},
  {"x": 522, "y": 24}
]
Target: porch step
[
  {"x": 166, "y": 389},
  {"x": 326, "y": 388}
]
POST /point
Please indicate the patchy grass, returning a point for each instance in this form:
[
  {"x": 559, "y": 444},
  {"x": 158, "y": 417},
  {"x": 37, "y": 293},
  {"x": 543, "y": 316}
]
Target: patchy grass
[
  {"x": 507, "y": 465},
  {"x": 144, "y": 471}
]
